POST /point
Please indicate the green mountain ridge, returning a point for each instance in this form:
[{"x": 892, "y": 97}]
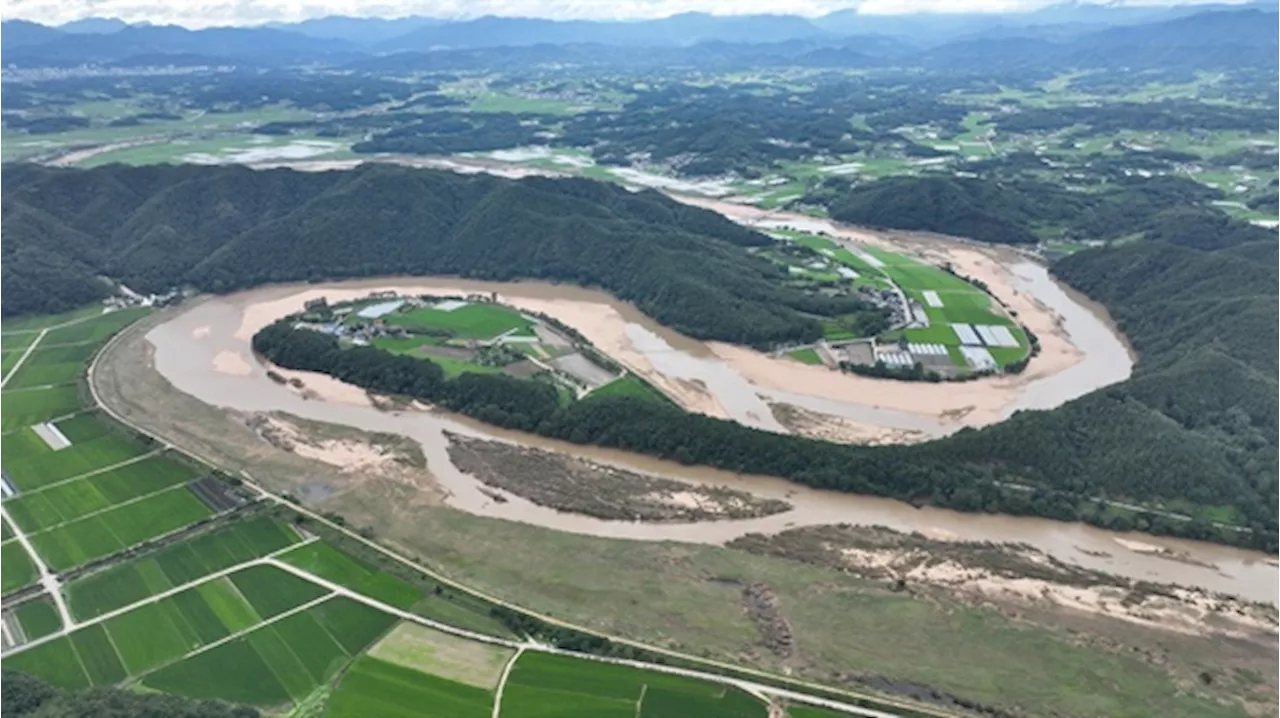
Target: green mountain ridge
[{"x": 227, "y": 228}]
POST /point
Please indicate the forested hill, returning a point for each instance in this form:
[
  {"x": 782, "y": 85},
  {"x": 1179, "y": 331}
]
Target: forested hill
[
  {"x": 1195, "y": 428},
  {"x": 227, "y": 228}
]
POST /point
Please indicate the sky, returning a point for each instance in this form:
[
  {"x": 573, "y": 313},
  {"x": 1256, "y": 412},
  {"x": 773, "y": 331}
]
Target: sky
[{"x": 205, "y": 13}]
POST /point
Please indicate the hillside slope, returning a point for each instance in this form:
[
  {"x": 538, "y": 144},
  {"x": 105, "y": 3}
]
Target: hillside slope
[{"x": 227, "y": 228}]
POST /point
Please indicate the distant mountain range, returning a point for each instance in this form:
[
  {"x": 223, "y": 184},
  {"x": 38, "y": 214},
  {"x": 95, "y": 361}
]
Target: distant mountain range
[{"x": 1068, "y": 33}]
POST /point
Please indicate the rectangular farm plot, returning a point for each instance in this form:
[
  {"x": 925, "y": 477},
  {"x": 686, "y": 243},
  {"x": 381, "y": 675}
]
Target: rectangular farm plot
[
  {"x": 444, "y": 655},
  {"x": 16, "y": 567},
  {"x": 151, "y": 635},
  {"x": 21, "y": 448},
  {"x": 102, "y": 534},
  {"x": 473, "y": 321},
  {"x": 377, "y": 688},
  {"x": 32, "y": 406},
  {"x": 547, "y": 685},
  {"x": 331, "y": 564},
  {"x": 272, "y": 591},
  {"x": 98, "y": 655},
  {"x": 353, "y": 625},
  {"x": 38, "y": 618},
  {"x": 86, "y": 427},
  {"x": 56, "y": 662},
  {"x": 272, "y": 665},
  {"x": 232, "y": 671},
  {"x": 32, "y": 463},
  {"x": 312, "y": 644},
  {"x": 52, "y": 366},
  {"x": 95, "y": 331}
]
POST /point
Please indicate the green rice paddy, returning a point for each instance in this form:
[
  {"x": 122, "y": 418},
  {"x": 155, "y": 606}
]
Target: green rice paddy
[
  {"x": 278, "y": 663},
  {"x": 16, "y": 568},
  {"x": 378, "y": 688},
  {"x": 329, "y": 563},
  {"x": 98, "y": 656},
  {"x": 38, "y": 618},
  {"x": 544, "y": 686},
  {"x": 271, "y": 591},
  {"x": 53, "y": 365},
  {"x": 33, "y": 406},
  {"x": 55, "y": 662},
  {"x": 102, "y": 534},
  {"x": 178, "y": 564},
  {"x": 962, "y": 302},
  {"x": 65, "y": 502},
  {"x": 474, "y": 321}
]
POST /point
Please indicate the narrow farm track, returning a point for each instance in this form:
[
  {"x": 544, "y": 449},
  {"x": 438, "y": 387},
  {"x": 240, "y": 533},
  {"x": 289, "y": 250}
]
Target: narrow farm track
[
  {"x": 22, "y": 359},
  {"x": 502, "y": 681},
  {"x": 747, "y": 685},
  {"x": 48, "y": 578}
]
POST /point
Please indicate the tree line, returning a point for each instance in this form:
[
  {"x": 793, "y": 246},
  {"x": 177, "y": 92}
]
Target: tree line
[{"x": 26, "y": 695}]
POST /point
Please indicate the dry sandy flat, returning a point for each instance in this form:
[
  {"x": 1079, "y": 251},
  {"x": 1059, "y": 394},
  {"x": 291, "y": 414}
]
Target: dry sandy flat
[{"x": 201, "y": 332}]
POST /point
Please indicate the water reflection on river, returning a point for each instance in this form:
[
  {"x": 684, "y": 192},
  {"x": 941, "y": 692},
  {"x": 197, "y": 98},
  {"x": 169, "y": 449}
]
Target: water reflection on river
[{"x": 186, "y": 348}]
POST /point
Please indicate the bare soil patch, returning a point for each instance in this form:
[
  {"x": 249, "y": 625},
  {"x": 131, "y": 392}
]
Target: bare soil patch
[
  {"x": 828, "y": 427},
  {"x": 579, "y": 486}
]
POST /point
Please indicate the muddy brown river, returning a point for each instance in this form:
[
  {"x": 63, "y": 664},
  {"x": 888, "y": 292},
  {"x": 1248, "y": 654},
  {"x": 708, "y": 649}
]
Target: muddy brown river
[{"x": 204, "y": 351}]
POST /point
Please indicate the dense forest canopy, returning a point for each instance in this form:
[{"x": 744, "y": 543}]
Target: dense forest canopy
[
  {"x": 1010, "y": 210},
  {"x": 227, "y": 228}
]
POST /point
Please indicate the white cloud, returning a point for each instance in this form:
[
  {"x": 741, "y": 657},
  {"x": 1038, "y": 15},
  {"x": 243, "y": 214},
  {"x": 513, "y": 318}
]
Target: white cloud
[{"x": 204, "y": 13}]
